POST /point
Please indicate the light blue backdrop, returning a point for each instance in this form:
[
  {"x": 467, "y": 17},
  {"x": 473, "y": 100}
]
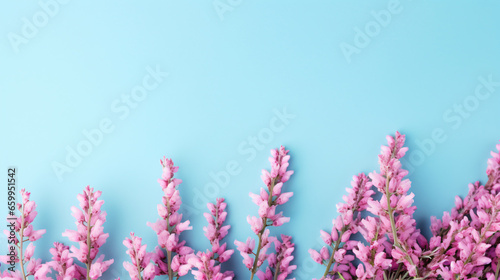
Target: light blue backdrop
[{"x": 345, "y": 74}]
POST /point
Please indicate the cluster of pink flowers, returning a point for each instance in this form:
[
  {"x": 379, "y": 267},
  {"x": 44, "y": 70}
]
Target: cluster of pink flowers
[
  {"x": 345, "y": 225},
  {"x": 90, "y": 233},
  {"x": 170, "y": 226},
  {"x": 24, "y": 232},
  {"x": 209, "y": 264},
  {"x": 63, "y": 263},
  {"x": 394, "y": 215},
  {"x": 145, "y": 265},
  {"x": 465, "y": 242},
  {"x": 279, "y": 262},
  {"x": 464, "y": 245},
  {"x": 268, "y": 200}
]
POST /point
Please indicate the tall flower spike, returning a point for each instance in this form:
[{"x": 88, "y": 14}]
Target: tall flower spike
[
  {"x": 89, "y": 233},
  {"x": 141, "y": 267},
  {"x": 24, "y": 233},
  {"x": 395, "y": 207},
  {"x": 345, "y": 225},
  {"x": 267, "y": 201},
  {"x": 169, "y": 227},
  {"x": 208, "y": 264}
]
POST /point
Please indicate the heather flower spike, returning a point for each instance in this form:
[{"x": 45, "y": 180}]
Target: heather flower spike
[
  {"x": 24, "y": 233},
  {"x": 170, "y": 226},
  {"x": 345, "y": 225},
  {"x": 279, "y": 262},
  {"x": 208, "y": 264},
  {"x": 268, "y": 200},
  {"x": 89, "y": 233},
  {"x": 143, "y": 265},
  {"x": 395, "y": 208},
  {"x": 465, "y": 243},
  {"x": 64, "y": 264}
]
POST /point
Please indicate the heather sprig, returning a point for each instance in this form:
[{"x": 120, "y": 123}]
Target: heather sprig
[
  {"x": 64, "y": 264},
  {"x": 90, "y": 233},
  {"x": 473, "y": 242},
  {"x": 25, "y": 235},
  {"x": 209, "y": 264},
  {"x": 170, "y": 226},
  {"x": 345, "y": 225},
  {"x": 279, "y": 262},
  {"x": 143, "y": 265},
  {"x": 395, "y": 208},
  {"x": 268, "y": 201}
]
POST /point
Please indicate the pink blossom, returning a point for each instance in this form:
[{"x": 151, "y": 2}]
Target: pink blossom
[
  {"x": 208, "y": 264},
  {"x": 394, "y": 208},
  {"x": 142, "y": 266},
  {"x": 268, "y": 200},
  {"x": 169, "y": 228},
  {"x": 89, "y": 233},
  {"x": 346, "y": 224},
  {"x": 24, "y": 232},
  {"x": 63, "y": 264}
]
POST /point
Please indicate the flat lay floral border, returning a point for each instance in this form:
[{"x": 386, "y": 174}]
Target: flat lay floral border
[{"x": 465, "y": 242}]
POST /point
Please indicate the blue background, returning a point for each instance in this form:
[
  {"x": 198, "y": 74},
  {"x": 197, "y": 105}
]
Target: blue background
[{"x": 228, "y": 76}]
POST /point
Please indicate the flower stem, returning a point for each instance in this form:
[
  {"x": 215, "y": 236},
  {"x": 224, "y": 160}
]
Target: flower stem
[
  {"x": 21, "y": 235},
  {"x": 169, "y": 259},
  {"x": 276, "y": 270},
  {"x": 264, "y": 222},
  {"x": 393, "y": 223},
  {"x": 89, "y": 243},
  {"x": 169, "y": 253},
  {"x": 330, "y": 262},
  {"x": 138, "y": 266},
  {"x": 391, "y": 212},
  {"x": 494, "y": 215}
]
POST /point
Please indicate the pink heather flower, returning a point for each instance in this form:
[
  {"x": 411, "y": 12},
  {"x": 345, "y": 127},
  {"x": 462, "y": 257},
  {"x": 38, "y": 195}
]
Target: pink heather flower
[
  {"x": 169, "y": 228},
  {"x": 279, "y": 262},
  {"x": 394, "y": 208},
  {"x": 89, "y": 234},
  {"x": 493, "y": 171},
  {"x": 63, "y": 264},
  {"x": 345, "y": 225},
  {"x": 25, "y": 232},
  {"x": 208, "y": 264},
  {"x": 457, "y": 234},
  {"x": 141, "y": 266},
  {"x": 268, "y": 200},
  {"x": 473, "y": 241}
]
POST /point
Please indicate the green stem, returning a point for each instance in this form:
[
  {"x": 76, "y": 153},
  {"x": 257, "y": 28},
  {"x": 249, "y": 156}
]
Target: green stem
[
  {"x": 138, "y": 266},
  {"x": 21, "y": 235},
  {"x": 264, "y": 222},
  {"x": 89, "y": 243},
  {"x": 169, "y": 253},
  {"x": 337, "y": 244},
  {"x": 393, "y": 222},
  {"x": 276, "y": 271},
  {"x": 391, "y": 213},
  {"x": 254, "y": 267},
  {"x": 169, "y": 259},
  {"x": 481, "y": 240}
]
